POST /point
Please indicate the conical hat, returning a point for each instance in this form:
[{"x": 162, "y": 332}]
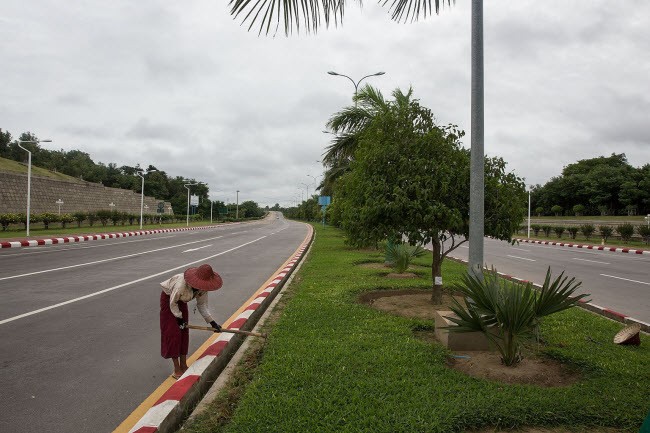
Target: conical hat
[{"x": 628, "y": 333}]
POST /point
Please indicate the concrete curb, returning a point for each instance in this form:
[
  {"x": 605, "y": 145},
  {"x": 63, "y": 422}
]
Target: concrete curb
[
  {"x": 601, "y": 311},
  {"x": 167, "y": 414},
  {"x": 72, "y": 239},
  {"x": 587, "y": 247}
]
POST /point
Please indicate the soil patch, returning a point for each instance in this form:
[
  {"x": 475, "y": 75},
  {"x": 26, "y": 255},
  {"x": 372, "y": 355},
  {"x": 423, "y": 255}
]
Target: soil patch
[{"x": 531, "y": 370}]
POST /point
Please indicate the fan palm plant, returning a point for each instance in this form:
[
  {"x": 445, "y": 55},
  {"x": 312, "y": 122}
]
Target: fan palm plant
[
  {"x": 508, "y": 313},
  {"x": 400, "y": 255}
]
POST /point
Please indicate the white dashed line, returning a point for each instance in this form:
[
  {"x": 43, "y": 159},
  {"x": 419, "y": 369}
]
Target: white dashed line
[
  {"x": 625, "y": 279},
  {"x": 591, "y": 261},
  {"x": 521, "y": 258}
]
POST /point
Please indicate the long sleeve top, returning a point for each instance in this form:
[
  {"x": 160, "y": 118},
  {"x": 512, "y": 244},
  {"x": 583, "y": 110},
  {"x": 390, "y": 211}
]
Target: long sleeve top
[{"x": 179, "y": 290}]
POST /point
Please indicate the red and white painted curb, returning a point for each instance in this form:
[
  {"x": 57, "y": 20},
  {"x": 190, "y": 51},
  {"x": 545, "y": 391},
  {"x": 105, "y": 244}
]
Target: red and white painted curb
[
  {"x": 72, "y": 239},
  {"x": 178, "y": 400},
  {"x": 588, "y": 247},
  {"x": 602, "y": 311}
]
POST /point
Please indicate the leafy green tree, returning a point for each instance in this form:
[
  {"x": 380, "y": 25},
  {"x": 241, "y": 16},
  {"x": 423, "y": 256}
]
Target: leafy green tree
[
  {"x": 587, "y": 230},
  {"x": 79, "y": 217},
  {"x": 65, "y": 218},
  {"x": 578, "y": 210},
  {"x": 626, "y": 231},
  {"x": 559, "y": 230},
  {"x": 605, "y": 232},
  {"x": 557, "y": 210},
  {"x": 539, "y": 211},
  {"x": 547, "y": 230},
  {"x": 410, "y": 177},
  {"x": 536, "y": 228},
  {"x": 8, "y": 218},
  {"x": 103, "y": 215},
  {"x": 644, "y": 232},
  {"x": 573, "y": 231}
]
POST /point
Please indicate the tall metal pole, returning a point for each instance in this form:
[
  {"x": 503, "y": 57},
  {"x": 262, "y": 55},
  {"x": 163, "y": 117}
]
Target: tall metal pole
[
  {"x": 141, "y": 199},
  {"x": 477, "y": 169},
  {"x": 237, "y": 212},
  {"x": 29, "y": 176},
  {"x": 187, "y": 187},
  {"x": 529, "y": 213}
]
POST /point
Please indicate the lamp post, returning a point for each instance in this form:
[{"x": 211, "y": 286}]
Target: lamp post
[
  {"x": 59, "y": 202},
  {"x": 237, "y": 211},
  {"x": 187, "y": 187},
  {"x": 529, "y": 189},
  {"x": 307, "y": 189},
  {"x": 356, "y": 84},
  {"x": 29, "y": 175},
  {"x": 142, "y": 195}
]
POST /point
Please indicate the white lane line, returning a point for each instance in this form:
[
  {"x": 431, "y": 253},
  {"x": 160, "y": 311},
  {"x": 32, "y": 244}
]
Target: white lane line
[
  {"x": 196, "y": 249},
  {"x": 626, "y": 279},
  {"x": 520, "y": 249},
  {"x": 105, "y": 260},
  {"x": 521, "y": 258},
  {"x": 592, "y": 261},
  {"x": 110, "y": 289},
  {"x": 464, "y": 246},
  {"x": 74, "y": 247}
]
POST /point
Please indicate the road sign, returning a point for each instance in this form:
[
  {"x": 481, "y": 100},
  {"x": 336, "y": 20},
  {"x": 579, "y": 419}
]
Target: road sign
[{"x": 194, "y": 200}]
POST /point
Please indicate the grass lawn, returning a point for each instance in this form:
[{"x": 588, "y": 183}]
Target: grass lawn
[{"x": 331, "y": 364}]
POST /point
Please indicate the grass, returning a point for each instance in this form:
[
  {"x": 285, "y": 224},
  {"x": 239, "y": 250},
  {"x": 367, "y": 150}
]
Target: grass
[
  {"x": 580, "y": 239},
  {"x": 331, "y": 364},
  {"x": 18, "y": 167}
]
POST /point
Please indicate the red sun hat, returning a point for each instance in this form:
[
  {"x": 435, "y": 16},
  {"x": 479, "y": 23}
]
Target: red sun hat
[{"x": 203, "y": 278}]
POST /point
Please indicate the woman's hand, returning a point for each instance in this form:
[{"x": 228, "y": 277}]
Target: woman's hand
[
  {"x": 216, "y": 326},
  {"x": 181, "y": 322}
]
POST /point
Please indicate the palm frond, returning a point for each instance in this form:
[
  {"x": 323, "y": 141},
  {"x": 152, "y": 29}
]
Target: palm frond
[
  {"x": 557, "y": 295},
  {"x": 403, "y": 10}
]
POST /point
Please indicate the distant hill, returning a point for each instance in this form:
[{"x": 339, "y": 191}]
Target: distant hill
[{"x": 8, "y": 165}]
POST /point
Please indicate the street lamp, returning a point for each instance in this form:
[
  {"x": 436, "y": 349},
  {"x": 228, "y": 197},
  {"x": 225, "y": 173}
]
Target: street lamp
[
  {"x": 356, "y": 85},
  {"x": 529, "y": 189},
  {"x": 142, "y": 195},
  {"x": 29, "y": 174},
  {"x": 187, "y": 187},
  {"x": 237, "y": 212},
  {"x": 315, "y": 182},
  {"x": 307, "y": 187}
]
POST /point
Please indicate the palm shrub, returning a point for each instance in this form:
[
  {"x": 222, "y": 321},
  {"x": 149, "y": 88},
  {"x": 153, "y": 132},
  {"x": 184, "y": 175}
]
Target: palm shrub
[
  {"x": 400, "y": 255},
  {"x": 573, "y": 231},
  {"x": 559, "y": 230},
  {"x": 626, "y": 231},
  {"x": 587, "y": 230},
  {"x": 605, "y": 232},
  {"x": 643, "y": 231},
  {"x": 547, "y": 230},
  {"x": 509, "y": 313}
]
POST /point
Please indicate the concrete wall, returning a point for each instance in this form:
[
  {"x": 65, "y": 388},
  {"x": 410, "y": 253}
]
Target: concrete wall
[{"x": 76, "y": 196}]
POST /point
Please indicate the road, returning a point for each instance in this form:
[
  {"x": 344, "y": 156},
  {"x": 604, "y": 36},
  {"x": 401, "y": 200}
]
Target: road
[
  {"x": 617, "y": 281},
  {"x": 79, "y": 333}
]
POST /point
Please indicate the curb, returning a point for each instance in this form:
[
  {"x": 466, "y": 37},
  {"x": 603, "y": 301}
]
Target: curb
[
  {"x": 588, "y": 247},
  {"x": 72, "y": 239},
  {"x": 601, "y": 311},
  {"x": 177, "y": 402}
]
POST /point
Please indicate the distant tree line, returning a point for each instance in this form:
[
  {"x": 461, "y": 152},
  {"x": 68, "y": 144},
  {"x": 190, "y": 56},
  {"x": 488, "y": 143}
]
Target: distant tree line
[
  {"x": 596, "y": 186},
  {"x": 158, "y": 184}
]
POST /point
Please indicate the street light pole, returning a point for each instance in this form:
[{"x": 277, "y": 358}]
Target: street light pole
[
  {"x": 187, "y": 187},
  {"x": 528, "y": 213},
  {"x": 29, "y": 175},
  {"x": 356, "y": 84},
  {"x": 142, "y": 195},
  {"x": 237, "y": 212},
  {"x": 307, "y": 188}
]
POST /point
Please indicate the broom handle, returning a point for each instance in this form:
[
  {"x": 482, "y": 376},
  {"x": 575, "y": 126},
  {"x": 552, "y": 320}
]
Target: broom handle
[{"x": 233, "y": 331}]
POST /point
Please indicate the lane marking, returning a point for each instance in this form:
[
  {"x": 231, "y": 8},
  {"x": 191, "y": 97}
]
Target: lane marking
[
  {"x": 521, "y": 258},
  {"x": 195, "y": 249},
  {"x": 119, "y": 286},
  {"x": 592, "y": 261},
  {"x": 105, "y": 260},
  {"x": 520, "y": 249},
  {"x": 74, "y": 247},
  {"x": 464, "y": 246},
  {"x": 625, "y": 279}
]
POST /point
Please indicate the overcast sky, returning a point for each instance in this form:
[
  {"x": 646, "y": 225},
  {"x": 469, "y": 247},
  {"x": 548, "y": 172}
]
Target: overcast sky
[{"x": 184, "y": 87}]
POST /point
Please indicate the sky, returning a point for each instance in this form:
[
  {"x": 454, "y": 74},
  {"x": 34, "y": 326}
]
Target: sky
[{"x": 185, "y": 87}]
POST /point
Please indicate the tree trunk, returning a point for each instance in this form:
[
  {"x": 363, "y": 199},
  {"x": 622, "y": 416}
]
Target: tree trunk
[{"x": 436, "y": 272}]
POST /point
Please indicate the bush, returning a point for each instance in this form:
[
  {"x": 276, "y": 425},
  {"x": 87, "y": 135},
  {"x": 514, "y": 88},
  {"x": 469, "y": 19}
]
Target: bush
[
  {"x": 92, "y": 217},
  {"x": 559, "y": 230},
  {"x": 536, "y": 228},
  {"x": 79, "y": 217},
  {"x": 626, "y": 231},
  {"x": 547, "y": 230},
  {"x": 400, "y": 255},
  {"x": 65, "y": 219},
  {"x": 103, "y": 216},
  {"x": 578, "y": 209},
  {"x": 8, "y": 218},
  {"x": 573, "y": 231},
  {"x": 48, "y": 218},
  {"x": 539, "y": 211},
  {"x": 644, "y": 232},
  {"x": 508, "y": 313},
  {"x": 605, "y": 232},
  {"x": 557, "y": 210},
  {"x": 587, "y": 230}
]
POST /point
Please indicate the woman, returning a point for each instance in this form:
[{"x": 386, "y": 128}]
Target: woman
[{"x": 194, "y": 283}]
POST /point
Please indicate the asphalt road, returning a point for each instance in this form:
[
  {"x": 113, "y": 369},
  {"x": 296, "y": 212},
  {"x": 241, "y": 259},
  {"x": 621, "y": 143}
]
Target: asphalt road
[
  {"x": 79, "y": 333},
  {"x": 618, "y": 281}
]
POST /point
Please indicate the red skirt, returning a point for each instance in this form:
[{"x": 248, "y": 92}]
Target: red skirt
[{"x": 174, "y": 342}]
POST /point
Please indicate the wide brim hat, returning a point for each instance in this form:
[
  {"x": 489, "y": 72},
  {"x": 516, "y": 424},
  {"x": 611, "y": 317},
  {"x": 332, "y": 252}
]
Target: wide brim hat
[
  {"x": 203, "y": 278},
  {"x": 629, "y": 335}
]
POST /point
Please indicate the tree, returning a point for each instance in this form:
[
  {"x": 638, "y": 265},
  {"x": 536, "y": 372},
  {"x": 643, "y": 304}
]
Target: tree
[{"x": 410, "y": 177}]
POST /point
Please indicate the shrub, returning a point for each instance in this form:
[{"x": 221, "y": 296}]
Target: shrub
[
  {"x": 587, "y": 230},
  {"x": 48, "y": 218},
  {"x": 92, "y": 217},
  {"x": 400, "y": 255},
  {"x": 605, "y": 232},
  {"x": 644, "y": 232},
  {"x": 79, "y": 217},
  {"x": 65, "y": 219},
  {"x": 8, "y": 218},
  {"x": 547, "y": 230},
  {"x": 539, "y": 211},
  {"x": 509, "y": 313},
  {"x": 559, "y": 230},
  {"x": 103, "y": 216},
  {"x": 115, "y": 217},
  {"x": 557, "y": 210},
  {"x": 133, "y": 218},
  {"x": 578, "y": 209},
  {"x": 573, "y": 231},
  {"x": 626, "y": 231},
  {"x": 33, "y": 218},
  {"x": 536, "y": 228}
]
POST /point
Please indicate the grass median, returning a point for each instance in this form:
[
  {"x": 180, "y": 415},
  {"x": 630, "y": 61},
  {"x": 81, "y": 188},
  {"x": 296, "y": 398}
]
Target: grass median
[{"x": 332, "y": 364}]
